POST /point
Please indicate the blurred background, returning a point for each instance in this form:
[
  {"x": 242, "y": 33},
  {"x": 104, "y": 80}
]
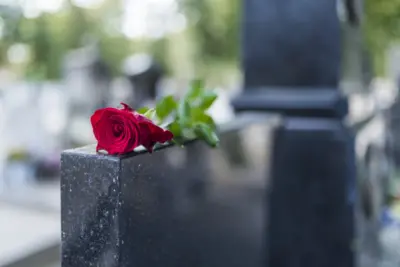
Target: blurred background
[{"x": 62, "y": 59}]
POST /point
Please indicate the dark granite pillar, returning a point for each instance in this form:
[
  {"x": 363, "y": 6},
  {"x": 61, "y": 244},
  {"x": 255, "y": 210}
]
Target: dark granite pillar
[
  {"x": 291, "y": 43},
  {"x": 311, "y": 202},
  {"x": 293, "y": 54},
  {"x": 177, "y": 207}
]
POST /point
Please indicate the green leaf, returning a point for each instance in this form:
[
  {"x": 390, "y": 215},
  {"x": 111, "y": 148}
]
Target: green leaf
[
  {"x": 151, "y": 114},
  {"x": 195, "y": 91},
  {"x": 206, "y": 133},
  {"x": 199, "y": 116},
  {"x": 165, "y": 106},
  {"x": 207, "y": 100},
  {"x": 142, "y": 110},
  {"x": 175, "y": 128},
  {"x": 184, "y": 113},
  {"x": 189, "y": 133}
]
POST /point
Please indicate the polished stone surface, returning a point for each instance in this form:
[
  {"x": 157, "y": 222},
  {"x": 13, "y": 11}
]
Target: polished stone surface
[
  {"x": 191, "y": 206},
  {"x": 89, "y": 209},
  {"x": 291, "y": 43},
  {"x": 313, "y": 197}
]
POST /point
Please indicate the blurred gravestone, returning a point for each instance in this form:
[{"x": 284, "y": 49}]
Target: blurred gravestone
[
  {"x": 144, "y": 75},
  {"x": 291, "y": 42},
  {"x": 293, "y": 56},
  {"x": 87, "y": 80}
]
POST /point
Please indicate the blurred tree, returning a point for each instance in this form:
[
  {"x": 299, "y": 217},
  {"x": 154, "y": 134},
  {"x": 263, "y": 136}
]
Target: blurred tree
[
  {"x": 79, "y": 25},
  {"x": 51, "y": 36},
  {"x": 41, "y": 49},
  {"x": 113, "y": 50},
  {"x": 159, "y": 49},
  {"x": 214, "y": 26},
  {"x": 9, "y": 21},
  {"x": 382, "y": 27},
  {"x": 211, "y": 41},
  {"x": 114, "y": 45}
]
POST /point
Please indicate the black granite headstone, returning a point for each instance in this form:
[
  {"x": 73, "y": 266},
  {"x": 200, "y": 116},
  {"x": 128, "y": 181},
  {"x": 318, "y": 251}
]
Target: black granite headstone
[
  {"x": 191, "y": 206},
  {"x": 291, "y": 43},
  {"x": 311, "y": 206},
  {"x": 295, "y": 53}
]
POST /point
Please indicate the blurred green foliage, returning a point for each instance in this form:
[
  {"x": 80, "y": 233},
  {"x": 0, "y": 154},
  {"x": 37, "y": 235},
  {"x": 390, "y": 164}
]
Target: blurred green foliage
[
  {"x": 381, "y": 29},
  {"x": 51, "y": 36},
  {"x": 211, "y": 37},
  {"x": 208, "y": 47},
  {"x": 214, "y": 26}
]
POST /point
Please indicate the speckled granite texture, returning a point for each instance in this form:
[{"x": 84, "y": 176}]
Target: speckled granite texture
[
  {"x": 90, "y": 197},
  {"x": 191, "y": 206}
]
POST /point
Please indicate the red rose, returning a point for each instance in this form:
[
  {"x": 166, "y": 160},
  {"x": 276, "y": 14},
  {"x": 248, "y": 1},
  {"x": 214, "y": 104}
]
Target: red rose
[{"x": 119, "y": 131}]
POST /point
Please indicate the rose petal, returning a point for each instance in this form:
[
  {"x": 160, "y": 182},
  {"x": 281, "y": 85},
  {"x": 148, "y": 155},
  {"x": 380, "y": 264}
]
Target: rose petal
[
  {"x": 132, "y": 136},
  {"x": 145, "y": 137},
  {"x": 159, "y": 134},
  {"x": 100, "y": 113},
  {"x": 119, "y": 144},
  {"x": 98, "y": 148},
  {"x": 126, "y": 141},
  {"x": 163, "y": 136},
  {"x": 142, "y": 118},
  {"x": 126, "y": 107},
  {"x": 119, "y": 131},
  {"x": 152, "y": 134},
  {"x": 100, "y": 116}
]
